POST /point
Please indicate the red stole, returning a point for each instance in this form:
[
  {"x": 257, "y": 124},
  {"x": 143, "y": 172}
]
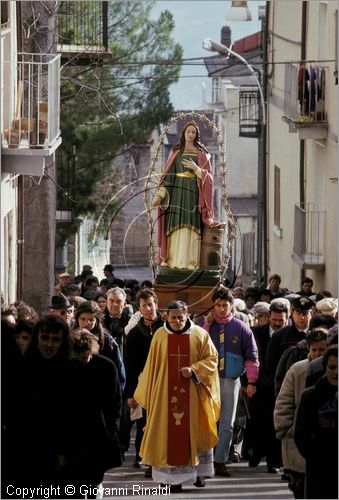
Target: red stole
[{"x": 178, "y": 437}]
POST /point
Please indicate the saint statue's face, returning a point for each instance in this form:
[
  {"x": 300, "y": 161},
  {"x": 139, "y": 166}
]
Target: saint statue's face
[
  {"x": 190, "y": 133},
  {"x": 177, "y": 319}
]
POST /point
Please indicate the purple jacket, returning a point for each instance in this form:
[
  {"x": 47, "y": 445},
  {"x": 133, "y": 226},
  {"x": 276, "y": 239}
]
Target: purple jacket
[{"x": 241, "y": 352}]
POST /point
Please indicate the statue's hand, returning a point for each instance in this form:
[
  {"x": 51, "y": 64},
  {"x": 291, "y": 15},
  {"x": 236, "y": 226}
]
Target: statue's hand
[
  {"x": 217, "y": 224},
  {"x": 190, "y": 164},
  {"x": 156, "y": 201}
]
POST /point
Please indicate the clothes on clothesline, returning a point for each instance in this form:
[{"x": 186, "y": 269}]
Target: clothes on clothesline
[{"x": 311, "y": 90}]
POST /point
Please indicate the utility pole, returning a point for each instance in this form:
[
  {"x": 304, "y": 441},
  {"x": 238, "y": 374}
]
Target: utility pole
[{"x": 261, "y": 207}]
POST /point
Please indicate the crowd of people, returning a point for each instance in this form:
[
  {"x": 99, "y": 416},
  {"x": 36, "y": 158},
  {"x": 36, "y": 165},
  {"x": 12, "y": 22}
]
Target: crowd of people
[{"x": 253, "y": 378}]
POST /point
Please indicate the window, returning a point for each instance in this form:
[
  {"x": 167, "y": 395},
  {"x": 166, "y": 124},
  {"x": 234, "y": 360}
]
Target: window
[
  {"x": 60, "y": 257},
  {"x": 322, "y": 31},
  {"x": 215, "y": 90},
  {"x": 277, "y": 196},
  {"x": 247, "y": 253}
]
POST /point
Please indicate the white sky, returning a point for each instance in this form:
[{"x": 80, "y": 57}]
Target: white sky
[{"x": 194, "y": 21}]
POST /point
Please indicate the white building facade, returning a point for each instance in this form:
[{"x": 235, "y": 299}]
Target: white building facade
[{"x": 302, "y": 143}]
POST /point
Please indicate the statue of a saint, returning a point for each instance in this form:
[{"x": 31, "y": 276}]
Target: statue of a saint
[{"x": 185, "y": 200}]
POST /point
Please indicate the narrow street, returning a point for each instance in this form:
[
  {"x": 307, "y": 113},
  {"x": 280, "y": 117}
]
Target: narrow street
[{"x": 245, "y": 483}]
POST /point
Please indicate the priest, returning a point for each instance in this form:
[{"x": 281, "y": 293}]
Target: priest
[{"x": 179, "y": 388}]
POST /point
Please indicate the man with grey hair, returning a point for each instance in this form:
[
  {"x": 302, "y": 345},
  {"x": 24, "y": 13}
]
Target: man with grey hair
[
  {"x": 282, "y": 300},
  {"x": 115, "y": 319},
  {"x": 261, "y": 426},
  {"x": 262, "y": 313}
]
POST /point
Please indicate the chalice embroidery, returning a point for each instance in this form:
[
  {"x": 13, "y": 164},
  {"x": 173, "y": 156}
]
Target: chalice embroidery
[{"x": 178, "y": 408}]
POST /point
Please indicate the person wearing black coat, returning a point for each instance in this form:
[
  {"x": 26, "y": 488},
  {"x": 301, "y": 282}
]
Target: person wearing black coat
[
  {"x": 40, "y": 404},
  {"x": 261, "y": 433},
  {"x": 11, "y": 360},
  {"x": 316, "y": 430},
  {"x": 91, "y": 446},
  {"x": 300, "y": 350},
  {"x": 289, "y": 335},
  {"x": 115, "y": 321},
  {"x": 89, "y": 316},
  {"x": 116, "y": 317},
  {"x": 138, "y": 343}
]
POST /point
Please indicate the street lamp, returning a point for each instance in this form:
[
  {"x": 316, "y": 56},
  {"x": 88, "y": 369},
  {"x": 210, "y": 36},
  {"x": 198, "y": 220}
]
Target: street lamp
[
  {"x": 211, "y": 46},
  {"x": 238, "y": 11}
]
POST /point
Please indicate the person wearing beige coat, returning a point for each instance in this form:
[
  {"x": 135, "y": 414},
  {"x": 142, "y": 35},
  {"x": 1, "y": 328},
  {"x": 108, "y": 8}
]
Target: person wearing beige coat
[{"x": 286, "y": 406}]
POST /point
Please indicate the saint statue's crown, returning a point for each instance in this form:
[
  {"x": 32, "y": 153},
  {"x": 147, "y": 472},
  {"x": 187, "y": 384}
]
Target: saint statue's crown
[{"x": 191, "y": 122}]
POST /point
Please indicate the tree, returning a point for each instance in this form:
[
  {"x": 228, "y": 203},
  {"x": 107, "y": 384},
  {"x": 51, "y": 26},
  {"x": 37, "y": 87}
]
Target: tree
[{"x": 108, "y": 107}]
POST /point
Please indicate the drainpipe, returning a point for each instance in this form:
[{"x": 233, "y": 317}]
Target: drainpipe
[
  {"x": 262, "y": 158},
  {"x": 264, "y": 140},
  {"x": 302, "y": 141},
  {"x": 20, "y": 221},
  {"x": 20, "y": 239}
]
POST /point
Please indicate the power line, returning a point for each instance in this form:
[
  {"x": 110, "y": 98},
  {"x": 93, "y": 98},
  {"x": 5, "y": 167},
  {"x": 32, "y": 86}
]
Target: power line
[{"x": 194, "y": 62}]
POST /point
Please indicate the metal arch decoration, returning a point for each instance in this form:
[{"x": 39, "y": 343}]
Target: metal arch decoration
[{"x": 152, "y": 183}]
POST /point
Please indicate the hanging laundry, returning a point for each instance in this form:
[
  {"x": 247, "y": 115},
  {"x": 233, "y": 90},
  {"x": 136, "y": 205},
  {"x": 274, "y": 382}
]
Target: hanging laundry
[{"x": 313, "y": 89}]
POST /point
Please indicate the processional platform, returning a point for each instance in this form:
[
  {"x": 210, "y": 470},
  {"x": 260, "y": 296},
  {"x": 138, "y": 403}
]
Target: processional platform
[{"x": 195, "y": 288}]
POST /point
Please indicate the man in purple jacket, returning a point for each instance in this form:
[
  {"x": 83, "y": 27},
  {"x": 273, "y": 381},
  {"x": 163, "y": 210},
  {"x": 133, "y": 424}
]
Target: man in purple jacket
[{"x": 238, "y": 354}]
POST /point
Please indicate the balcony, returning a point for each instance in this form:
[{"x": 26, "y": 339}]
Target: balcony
[
  {"x": 304, "y": 101},
  {"x": 249, "y": 111},
  {"x": 308, "y": 248},
  {"x": 30, "y": 112},
  {"x": 83, "y": 32}
]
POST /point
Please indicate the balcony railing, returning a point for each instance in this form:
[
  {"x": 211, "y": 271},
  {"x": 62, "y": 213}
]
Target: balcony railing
[
  {"x": 304, "y": 100},
  {"x": 31, "y": 107},
  {"x": 82, "y": 29},
  {"x": 308, "y": 248},
  {"x": 249, "y": 111}
]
